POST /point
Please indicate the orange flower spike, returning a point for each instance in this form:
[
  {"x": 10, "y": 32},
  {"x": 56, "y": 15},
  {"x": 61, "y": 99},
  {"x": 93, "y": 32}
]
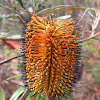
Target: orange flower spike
[
  {"x": 39, "y": 23},
  {"x": 50, "y": 50}
]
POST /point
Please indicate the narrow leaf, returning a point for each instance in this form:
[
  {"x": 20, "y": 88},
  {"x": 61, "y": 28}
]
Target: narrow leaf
[
  {"x": 21, "y": 3},
  {"x": 48, "y": 10},
  {"x": 89, "y": 47},
  {"x": 15, "y": 76},
  {"x": 63, "y": 17},
  {"x": 29, "y": 95},
  {"x": 17, "y": 93},
  {"x": 38, "y": 96},
  {"x": 2, "y": 94}
]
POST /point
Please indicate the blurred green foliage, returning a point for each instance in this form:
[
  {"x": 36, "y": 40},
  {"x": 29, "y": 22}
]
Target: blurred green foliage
[
  {"x": 2, "y": 94},
  {"x": 11, "y": 25}
]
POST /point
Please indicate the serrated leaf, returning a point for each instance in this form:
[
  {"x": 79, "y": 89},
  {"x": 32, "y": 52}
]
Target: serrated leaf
[
  {"x": 2, "y": 94},
  {"x": 15, "y": 76},
  {"x": 17, "y": 93}
]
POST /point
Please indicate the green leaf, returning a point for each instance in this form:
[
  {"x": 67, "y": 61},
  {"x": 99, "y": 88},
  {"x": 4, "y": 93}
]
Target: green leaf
[
  {"x": 42, "y": 98},
  {"x": 34, "y": 3},
  {"x": 39, "y": 97},
  {"x": 91, "y": 40},
  {"x": 43, "y": 11},
  {"x": 2, "y": 94},
  {"x": 17, "y": 93},
  {"x": 69, "y": 96},
  {"x": 27, "y": 5},
  {"x": 3, "y": 2},
  {"x": 1, "y": 20},
  {"x": 48, "y": 10},
  {"x": 21, "y": 3},
  {"x": 15, "y": 76},
  {"x": 63, "y": 17},
  {"x": 4, "y": 35},
  {"x": 88, "y": 3},
  {"x": 91, "y": 14},
  {"x": 87, "y": 21},
  {"x": 14, "y": 8},
  {"x": 39, "y": 5},
  {"x": 10, "y": 7},
  {"x": 29, "y": 95},
  {"x": 89, "y": 47}
]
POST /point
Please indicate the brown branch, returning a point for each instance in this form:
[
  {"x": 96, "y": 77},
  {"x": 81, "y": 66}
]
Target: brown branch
[
  {"x": 24, "y": 95},
  {"x": 13, "y": 38},
  {"x": 94, "y": 25},
  {"x": 67, "y": 98},
  {"x": 7, "y": 60},
  {"x": 90, "y": 37},
  {"x": 82, "y": 16},
  {"x": 15, "y": 83},
  {"x": 20, "y": 18}
]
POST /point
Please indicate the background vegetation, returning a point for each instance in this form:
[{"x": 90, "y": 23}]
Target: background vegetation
[{"x": 87, "y": 15}]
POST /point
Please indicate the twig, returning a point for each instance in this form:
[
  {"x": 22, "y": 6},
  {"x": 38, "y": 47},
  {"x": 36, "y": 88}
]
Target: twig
[
  {"x": 96, "y": 21},
  {"x": 67, "y": 98},
  {"x": 94, "y": 26},
  {"x": 16, "y": 11},
  {"x": 84, "y": 94},
  {"x": 24, "y": 95},
  {"x": 81, "y": 93},
  {"x": 15, "y": 83},
  {"x": 7, "y": 60},
  {"x": 82, "y": 16},
  {"x": 13, "y": 38},
  {"x": 90, "y": 37},
  {"x": 20, "y": 18}
]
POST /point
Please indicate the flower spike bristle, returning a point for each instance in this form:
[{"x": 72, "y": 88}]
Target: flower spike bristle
[{"x": 51, "y": 55}]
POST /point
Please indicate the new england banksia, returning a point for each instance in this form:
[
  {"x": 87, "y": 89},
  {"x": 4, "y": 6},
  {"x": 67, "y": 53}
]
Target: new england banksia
[{"x": 51, "y": 55}]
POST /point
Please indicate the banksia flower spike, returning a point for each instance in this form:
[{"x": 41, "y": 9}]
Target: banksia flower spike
[{"x": 51, "y": 55}]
